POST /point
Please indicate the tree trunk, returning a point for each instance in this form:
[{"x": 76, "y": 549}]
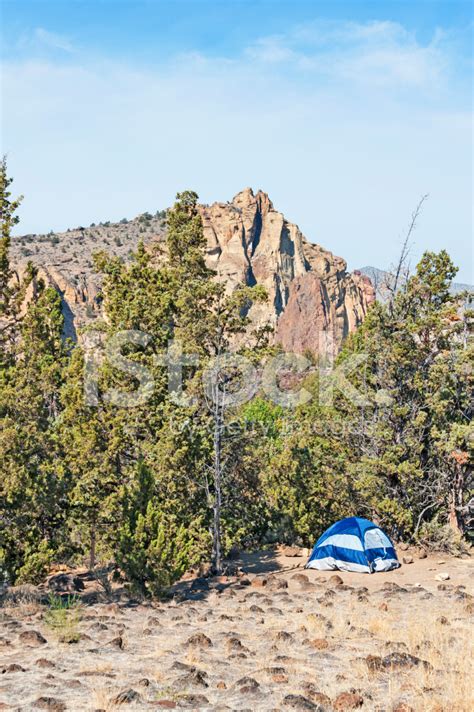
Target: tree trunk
[
  {"x": 216, "y": 538},
  {"x": 456, "y": 501},
  {"x": 92, "y": 548}
]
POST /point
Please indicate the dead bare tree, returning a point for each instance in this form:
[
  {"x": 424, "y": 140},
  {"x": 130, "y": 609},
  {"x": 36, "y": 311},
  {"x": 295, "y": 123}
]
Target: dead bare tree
[{"x": 401, "y": 271}]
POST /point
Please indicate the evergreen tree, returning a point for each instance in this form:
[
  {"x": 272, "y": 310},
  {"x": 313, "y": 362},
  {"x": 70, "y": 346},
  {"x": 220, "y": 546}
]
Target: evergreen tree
[{"x": 34, "y": 482}]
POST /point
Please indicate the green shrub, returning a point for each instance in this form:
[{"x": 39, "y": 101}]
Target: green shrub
[{"x": 63, "y": 617}]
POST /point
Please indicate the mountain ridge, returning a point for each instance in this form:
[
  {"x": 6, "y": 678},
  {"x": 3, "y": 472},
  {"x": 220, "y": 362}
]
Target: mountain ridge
[{"x": 310, "y": 291}]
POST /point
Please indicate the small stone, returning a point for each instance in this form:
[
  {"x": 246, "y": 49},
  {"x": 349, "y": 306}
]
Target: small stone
[
  {"x": 403, "y": 546},
  {"x": 276, "y": 584},
  {"x": 44, "y": 663},
  {"x": 348, "y": 701},
  {"x": 194, "y": 701},
  {"x": 316, "y": 696},
  {"x": 383, "y": 607},
  {"x": 319, "y": 644},
  {"x": 408, "y": 560},
  {"x": 335, "y": 580},
  {"x": 298, "y": 702},
  {"x": 32, "y": 638},
  {"x": 247, "y": 685},
  {"x": 291, "y": 551},
  {"x": 374, "y": 662},
  {"x": 259, "y": 581},
  {"x": 442, "y": 577},
  {"x": 194, "y": 678},
  {"x": 127, "y": 697},
  {"x": 116, "y": 642},
  {"x": 300, "y": 578},
  {"x": 13, "y": 667},
  {"x": 199, "y": 640},
  {"x": 284, "y": 636},
  {"x": 422, "y": 554},
  {"x": 221, "y": 685},
  {"x": 403, "y": 660},
  {"x": 402, "y": 707},
  {"x": 280, "y": 678},
  {"x": 52, "y": 704},
  {"x": 234, "y": 645},
  {"x": 443, "y": 620}
]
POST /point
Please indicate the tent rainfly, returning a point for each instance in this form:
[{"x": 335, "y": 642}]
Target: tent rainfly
[{"x": 353, "y": 544}]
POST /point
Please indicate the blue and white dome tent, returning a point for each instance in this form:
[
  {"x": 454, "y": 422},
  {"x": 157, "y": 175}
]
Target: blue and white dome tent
[{"x": 353, "y": 544}]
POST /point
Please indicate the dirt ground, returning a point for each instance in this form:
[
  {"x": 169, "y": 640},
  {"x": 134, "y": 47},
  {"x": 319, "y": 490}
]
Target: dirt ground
[{"x": 276, "y": 638}]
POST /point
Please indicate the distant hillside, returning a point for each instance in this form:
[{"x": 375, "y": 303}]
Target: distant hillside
[
  {"x": 380, "y": 277},
  {"x": 249, "y": 242}
]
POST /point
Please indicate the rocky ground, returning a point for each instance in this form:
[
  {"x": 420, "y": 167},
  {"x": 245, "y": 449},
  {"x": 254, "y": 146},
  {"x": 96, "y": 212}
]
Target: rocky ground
[{"x": 274, "y": 638}]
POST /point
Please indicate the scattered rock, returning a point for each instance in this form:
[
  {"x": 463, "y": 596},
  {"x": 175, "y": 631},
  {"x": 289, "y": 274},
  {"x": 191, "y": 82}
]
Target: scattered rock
[
  {"x": 116, "y": 642},
  {"x": 335, "y": 580},
  {"x": 127, "y": 697},
  {"x": 374, "y": 662},
  {"x": 166, "y": 704},
  {"x": 276, "y": 584},
  {"x": 32, "y": 638},
  {"x": 422, "y": 554},
  {"x": 310, "y": 689},
  {"x": 194, "y": 678},
  {"x": 442, "y": 577},
  {"x": 52, "y": 704},
  {"x": 44, "y": 663},
  {"x": 402, "y": 707},
  {"x": 319, "y": 644},
  {"x": 65, "y": 583},
  {"x": 298, "y": 702},
  {"x": 221, "y": 685},
  {"x": 348, "y": 701},
  {"x": 408, "y": 560},
  {"x": 280, "y": 678},
  {"x": 291, "y": 551},
  {"x": 383, "y": 607},
  {"x": 284, "y": 636},
  {"x": 300, "y": 578},
  {"x": 259, "y": 581},
  {"x": 403, "y": 660},
  {"x": 199, "y": 640},
  {"x": 391, "y": 586},
  {"x": 13, "y": 667},
  {"x": 247, "y": 685},
  {"x": 195, "y": 701},
  {"x": 234, "y": 645}
]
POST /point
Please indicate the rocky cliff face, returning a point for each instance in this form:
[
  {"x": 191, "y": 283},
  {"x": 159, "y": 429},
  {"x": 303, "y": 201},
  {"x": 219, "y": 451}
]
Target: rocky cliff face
[{"x": 310, "y": 293}]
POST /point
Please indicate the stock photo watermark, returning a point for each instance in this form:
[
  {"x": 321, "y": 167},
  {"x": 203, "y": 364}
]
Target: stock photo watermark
[{"x": 230, "y": 379}]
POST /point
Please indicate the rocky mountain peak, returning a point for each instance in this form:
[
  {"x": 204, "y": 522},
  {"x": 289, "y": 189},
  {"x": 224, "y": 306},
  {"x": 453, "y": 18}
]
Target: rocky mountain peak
[{"x": 309, "y": 289}]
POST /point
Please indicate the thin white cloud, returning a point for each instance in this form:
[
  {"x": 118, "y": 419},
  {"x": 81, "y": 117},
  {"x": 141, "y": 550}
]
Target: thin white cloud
[
  {"x": 345, "y": 159},
  {"x": 373, "y": 52},
  {"x": 52, "y": 40}
]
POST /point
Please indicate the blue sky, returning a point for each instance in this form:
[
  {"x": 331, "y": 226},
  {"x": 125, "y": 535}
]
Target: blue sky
[{"x": 344, "y": 112}]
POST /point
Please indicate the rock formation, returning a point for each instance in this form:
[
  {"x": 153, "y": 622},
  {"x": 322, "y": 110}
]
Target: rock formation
[{"x": 310, "y": 293}]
